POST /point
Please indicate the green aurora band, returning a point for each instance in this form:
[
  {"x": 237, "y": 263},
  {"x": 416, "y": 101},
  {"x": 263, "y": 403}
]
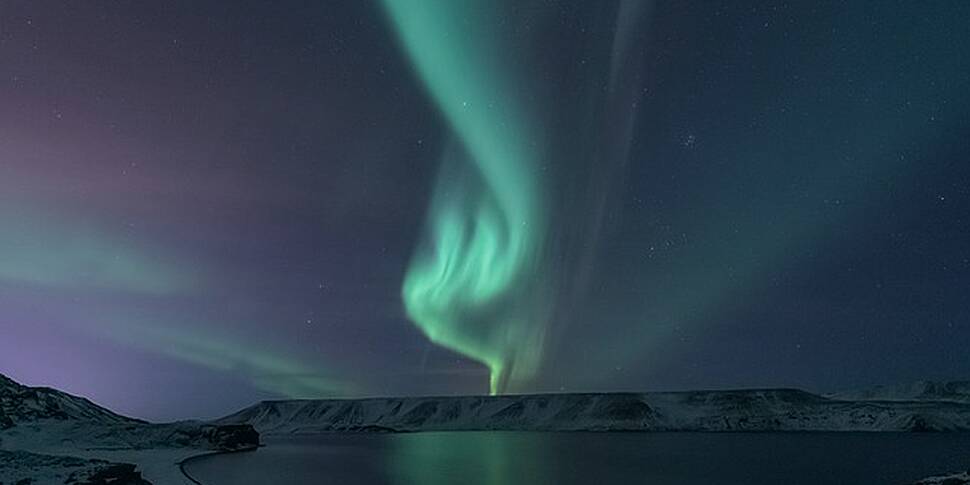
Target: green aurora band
[
  {"x": 472, "y": 288},
  {"x": 40, "y": 249},
  {"x": 42, "y": 252},
  {"x": 264, "y": 365}
]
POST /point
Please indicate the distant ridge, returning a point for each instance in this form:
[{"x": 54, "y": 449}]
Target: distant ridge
[
  {"x": 735, "y": 410},
  {"x": 938, "y": 391}
]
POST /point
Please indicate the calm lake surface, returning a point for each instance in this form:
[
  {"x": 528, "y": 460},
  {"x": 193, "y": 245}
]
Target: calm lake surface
[{"x": 514, "y": 458}]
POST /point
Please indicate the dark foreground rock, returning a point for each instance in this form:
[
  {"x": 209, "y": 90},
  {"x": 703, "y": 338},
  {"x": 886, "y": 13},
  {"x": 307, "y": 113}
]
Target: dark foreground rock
[
  {"x": 22, "y": 468},
  {"x": 114, "y": 474},
  {"x": 231, "y": 437}
]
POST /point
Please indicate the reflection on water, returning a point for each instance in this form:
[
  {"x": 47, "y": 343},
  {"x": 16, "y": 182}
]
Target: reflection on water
[
  {"x": 506, "y": 458},
  {"x": 487, "y": 459}
]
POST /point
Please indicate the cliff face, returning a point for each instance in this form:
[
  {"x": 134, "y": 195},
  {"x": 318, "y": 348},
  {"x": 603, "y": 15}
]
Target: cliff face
[{"x": 745, "y": 410}]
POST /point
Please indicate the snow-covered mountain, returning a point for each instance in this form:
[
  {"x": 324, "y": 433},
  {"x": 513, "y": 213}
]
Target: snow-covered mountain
[
  {"x": 43, "y": 430},
  {"x": 44, "y": 418},
  {"x": 23, "y": 404},
  {"x": 952, "y": 391},
  {"x": 742, "y": 410}
]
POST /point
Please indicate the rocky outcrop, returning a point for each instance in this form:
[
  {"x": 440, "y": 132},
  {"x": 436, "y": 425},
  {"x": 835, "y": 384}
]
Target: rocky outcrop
[
  {"x": 231, "y": 437},
  {"x": 110, "y": 474}
]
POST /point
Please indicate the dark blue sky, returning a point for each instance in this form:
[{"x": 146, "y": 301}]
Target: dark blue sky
[{"x": 205, "y": 205}]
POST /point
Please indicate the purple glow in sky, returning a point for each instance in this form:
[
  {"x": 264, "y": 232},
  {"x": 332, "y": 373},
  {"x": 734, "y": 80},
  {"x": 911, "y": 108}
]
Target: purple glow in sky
[{"x": 203, "y": 204}]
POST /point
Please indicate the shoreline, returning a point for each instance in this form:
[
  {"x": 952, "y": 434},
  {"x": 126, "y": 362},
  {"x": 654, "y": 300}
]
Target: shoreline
[
  {"x": 937, "y": 478},
  {"x": 187, "y": 460}
]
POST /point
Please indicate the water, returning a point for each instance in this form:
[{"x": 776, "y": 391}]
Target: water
[{"x": 512, "y": 458}]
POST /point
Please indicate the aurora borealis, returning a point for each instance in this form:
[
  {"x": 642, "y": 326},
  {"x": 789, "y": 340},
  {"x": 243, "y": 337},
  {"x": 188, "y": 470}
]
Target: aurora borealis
[
  {"x": 472, "y": 289},
  {"x": 203, "y": 204}
]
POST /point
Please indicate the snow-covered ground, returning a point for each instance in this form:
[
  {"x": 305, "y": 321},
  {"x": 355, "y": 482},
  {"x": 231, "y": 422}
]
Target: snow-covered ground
[
  {"x": 23, "y": 467},
  {"x": 52, "y": 437},
  {"x": 155, "y": 450},
  {"x": 955, "y": 479},
  {"x": 157, "y": 463}
]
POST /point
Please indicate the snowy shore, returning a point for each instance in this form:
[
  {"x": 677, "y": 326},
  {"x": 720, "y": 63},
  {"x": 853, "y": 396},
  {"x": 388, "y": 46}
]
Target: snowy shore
[{"x": 51, "y": 437}]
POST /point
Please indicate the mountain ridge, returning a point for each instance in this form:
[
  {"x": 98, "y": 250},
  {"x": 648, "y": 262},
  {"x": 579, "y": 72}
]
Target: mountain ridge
[
  {"x": 43, "y": 430},
  {"x": 925, "y": 390},
  {"x": 23, "y": 404},
  {"x": 720, "y": 410}
]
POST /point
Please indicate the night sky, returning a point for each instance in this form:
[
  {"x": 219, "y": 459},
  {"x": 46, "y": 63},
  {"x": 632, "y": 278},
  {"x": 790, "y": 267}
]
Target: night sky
[{"x": 203, "y": 204}]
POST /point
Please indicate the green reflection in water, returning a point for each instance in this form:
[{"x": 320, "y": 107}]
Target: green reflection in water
[{"x": 487, "y": 458}]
